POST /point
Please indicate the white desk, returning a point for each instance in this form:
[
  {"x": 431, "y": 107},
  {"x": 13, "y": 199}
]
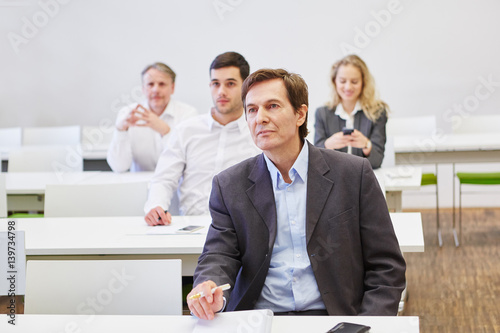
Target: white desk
[
  {"x": 35, "y": 182},
  {"x": 181, "y": 324},
  {"x": 25, "y": 190},
  {"x": 93, "y": 156},
  {"x": 95, "y": 152},
  {"x": 448, "y": 148},
  {"x": 125, "y": 237},
  {"x": 395, "y": 180}
]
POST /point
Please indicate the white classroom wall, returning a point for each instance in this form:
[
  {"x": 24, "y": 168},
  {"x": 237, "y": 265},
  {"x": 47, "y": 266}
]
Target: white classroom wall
[{"x": 70, "y": 62}]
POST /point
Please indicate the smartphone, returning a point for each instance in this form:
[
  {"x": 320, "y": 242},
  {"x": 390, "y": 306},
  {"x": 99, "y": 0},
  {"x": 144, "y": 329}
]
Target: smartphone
[
  {"x": 189, "y": 228},
  {"x": 349, "y": 328},
  {"x": 347, "y": 131}
]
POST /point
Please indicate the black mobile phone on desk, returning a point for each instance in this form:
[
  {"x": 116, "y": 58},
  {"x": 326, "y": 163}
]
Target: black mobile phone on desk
[{"x": 349, "y": 328}]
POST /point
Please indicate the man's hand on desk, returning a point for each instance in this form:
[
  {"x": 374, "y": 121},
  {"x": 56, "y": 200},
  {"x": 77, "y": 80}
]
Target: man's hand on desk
[
  {"x": 158, "y": 216},
  {"x": 205, "y": 307}
]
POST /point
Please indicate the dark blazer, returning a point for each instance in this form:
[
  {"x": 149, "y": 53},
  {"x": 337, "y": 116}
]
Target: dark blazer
[
  {"x": 328, "y": 123},
  {"x": 352, "y": 247}
]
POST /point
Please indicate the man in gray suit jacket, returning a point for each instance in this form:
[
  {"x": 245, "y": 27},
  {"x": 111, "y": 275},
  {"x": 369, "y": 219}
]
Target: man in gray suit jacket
[{"x": 297, "y": 229}]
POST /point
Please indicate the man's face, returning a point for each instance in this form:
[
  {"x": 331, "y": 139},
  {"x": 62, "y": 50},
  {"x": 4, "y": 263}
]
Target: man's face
[
  {"x": 225, "y": 86},
  {"x": 273, "y": 122},
  {"x": 157, "y": 87}
]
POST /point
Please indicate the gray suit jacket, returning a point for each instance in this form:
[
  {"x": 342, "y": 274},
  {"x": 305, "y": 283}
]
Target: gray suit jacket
[
  {"x": 351, "y": 243},
  {"x": 328, "y": 123}
]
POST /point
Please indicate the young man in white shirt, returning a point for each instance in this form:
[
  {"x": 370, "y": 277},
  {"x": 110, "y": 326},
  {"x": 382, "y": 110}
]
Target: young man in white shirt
[
  {"x": 142, "y": 130},
  {"x": 203, "y": 146}
]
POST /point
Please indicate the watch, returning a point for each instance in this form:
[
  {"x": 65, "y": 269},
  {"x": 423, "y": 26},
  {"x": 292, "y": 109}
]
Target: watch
[{"x": 368, "y": 144}]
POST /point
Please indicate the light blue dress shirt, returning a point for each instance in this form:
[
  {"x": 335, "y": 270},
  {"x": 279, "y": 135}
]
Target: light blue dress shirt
[{"x": 290, "y": 283}]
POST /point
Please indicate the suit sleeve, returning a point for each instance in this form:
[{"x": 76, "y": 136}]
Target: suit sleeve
[
  {"x": 220, "y": 260},
  {"x": 384, "y": 264},
  {"x": 378, "y": 139}
]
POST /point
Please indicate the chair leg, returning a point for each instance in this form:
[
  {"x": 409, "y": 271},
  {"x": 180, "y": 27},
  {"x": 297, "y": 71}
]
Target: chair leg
[
  {"x": 458, "y": 240},
  {"x": 460, "y": 216},
  {"x": 440, "y": 239},
  {"x": 453, "y": 187}
]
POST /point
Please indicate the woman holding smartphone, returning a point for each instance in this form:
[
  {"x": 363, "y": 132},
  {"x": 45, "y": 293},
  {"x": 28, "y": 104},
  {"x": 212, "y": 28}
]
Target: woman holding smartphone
[{"x": 355, "y": 120}]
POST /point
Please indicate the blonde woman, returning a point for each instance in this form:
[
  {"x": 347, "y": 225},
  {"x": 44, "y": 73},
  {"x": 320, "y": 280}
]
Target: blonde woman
[{"x": 355, "y": 122}]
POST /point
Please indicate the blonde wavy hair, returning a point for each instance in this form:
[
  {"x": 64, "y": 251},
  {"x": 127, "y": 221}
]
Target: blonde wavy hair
[{"x": 373, "y": 106}]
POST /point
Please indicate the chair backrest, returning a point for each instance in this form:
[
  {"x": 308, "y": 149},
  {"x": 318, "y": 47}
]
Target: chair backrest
[
  {"x": 58, "y": 135},
  {"x": 56, "y": 158},
  {"x": 10, "y": 137},
  {"x": 84, "y": 200},
  {"x": 477, "y": 124},
  {"x": 104, "y": 287},
  {"x": 3, "y": 196}
]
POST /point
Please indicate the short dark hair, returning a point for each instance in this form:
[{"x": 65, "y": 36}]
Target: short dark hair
[
  {"x": 231, "y": 59},
  {"x": 162, "y": 68},
  {"x": 295, "y": 85}
]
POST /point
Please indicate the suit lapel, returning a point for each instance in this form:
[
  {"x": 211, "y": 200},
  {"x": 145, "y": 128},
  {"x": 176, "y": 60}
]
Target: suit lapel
[
  {"x": 361, "y": 122},
  {"x": 318, "y": 189},
  {"x": 261, "y": 195}
]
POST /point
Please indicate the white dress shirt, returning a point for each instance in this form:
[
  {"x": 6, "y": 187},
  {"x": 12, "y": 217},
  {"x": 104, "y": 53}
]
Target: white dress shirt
[
  {"x": 348, "y": 117},
  {"x": 139, "y": 148},
  {"x": 197, "y": 150}
]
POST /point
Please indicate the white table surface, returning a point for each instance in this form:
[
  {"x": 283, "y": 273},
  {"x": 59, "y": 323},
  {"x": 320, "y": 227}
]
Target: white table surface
[
  {"x": 28, "y": 183},
  {"x": 393, "y": 181},
  {"x": 95, "y": 153},
  {"x": 447, "y": 142},
  {"x": 126, "y": 236},
  {"x": 181, "y": 324},
  {"x": 98, "y": 152},
  {"x": 447, "y": 148},
  {"x": 400, "y": 178}
]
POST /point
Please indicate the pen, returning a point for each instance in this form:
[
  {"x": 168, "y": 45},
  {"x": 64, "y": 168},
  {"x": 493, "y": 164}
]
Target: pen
[
  {"x": 223, "y": 287},
  {"x": 159, "y": 218}
]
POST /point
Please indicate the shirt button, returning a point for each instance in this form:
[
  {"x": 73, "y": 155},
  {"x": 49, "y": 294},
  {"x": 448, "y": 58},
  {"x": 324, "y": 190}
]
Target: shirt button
[
  {"x": 293, "y": 222},
  {"x": 298, "y": 255}
]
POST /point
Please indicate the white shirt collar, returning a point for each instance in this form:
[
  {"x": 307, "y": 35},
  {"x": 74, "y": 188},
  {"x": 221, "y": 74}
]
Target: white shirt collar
[
  {"x": 300, "y": 167},
  {"x": 239, "y": 123},
  {"x": 339, "y": 111}
]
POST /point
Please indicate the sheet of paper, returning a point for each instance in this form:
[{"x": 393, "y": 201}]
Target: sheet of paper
[
  {"x": 253, "y": 321},
  {"x": 178, "y": 222}
]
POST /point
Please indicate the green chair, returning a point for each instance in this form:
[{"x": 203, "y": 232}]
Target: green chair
[
  {"x": 25, "y": 215},
  {"x": 472, "y": 178},
  {"x": 431, "y": 179}
]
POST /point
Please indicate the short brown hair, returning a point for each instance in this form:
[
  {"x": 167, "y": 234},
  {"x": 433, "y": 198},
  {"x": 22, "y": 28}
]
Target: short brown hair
[
  {"x": 231, "y": 59},
  {"x": 162, "y": 68},
  {"x": 295, "y": 85}
]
